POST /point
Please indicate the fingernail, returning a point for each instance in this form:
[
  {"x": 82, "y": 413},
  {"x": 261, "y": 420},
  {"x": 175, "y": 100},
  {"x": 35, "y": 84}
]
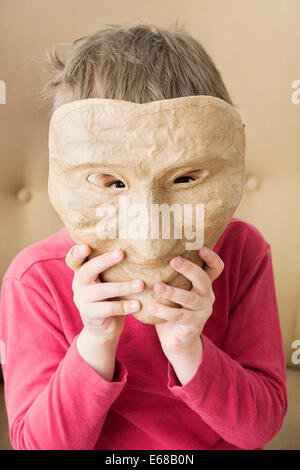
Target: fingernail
[
  {"x": 160, "y": 288},
  {"x": 116, "y": 254},
  {"x": 78, "y": 251},
  {"x": 132, "y": 306},
  {"x": 136, "y": 285},
  {"x": 205, "y": 251},
  {"x": 177, "y": 262}
]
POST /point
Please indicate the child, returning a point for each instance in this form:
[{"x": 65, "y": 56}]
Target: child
[{"x": 80, "y": 371}]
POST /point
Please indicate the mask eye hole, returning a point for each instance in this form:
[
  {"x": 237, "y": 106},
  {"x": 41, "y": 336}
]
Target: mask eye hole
[
  {"x": 105, "y": 181},
  {"x": 189, "y": 177}
]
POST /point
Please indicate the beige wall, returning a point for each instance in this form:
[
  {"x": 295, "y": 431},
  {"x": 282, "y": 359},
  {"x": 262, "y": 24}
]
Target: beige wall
[{"x": 255, "y": 43}]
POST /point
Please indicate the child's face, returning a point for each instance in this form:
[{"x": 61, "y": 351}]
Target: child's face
[{"x": 178, "y": 152}]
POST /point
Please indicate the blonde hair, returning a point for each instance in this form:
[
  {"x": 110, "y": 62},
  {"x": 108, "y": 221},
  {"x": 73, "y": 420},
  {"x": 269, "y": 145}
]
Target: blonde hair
[{"x": 138, "y": 63}]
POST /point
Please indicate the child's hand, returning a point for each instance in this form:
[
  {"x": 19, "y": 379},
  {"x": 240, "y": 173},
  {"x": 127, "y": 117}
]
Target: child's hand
[
  {"x": 102, "y": 317},
  {"x": 180, "y": 334}
]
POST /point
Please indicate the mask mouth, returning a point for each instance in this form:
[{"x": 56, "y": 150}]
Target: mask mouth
[
  {"x": 155, "y": 263},
  {"x": 150, "y": 272}
]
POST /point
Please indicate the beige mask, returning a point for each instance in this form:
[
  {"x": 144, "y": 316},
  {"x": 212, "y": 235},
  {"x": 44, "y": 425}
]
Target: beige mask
[{"x": 147, "y": 147}]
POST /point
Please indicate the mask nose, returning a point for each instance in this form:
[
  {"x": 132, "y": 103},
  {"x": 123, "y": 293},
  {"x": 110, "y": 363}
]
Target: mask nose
[{"x": 146, "y": 226}]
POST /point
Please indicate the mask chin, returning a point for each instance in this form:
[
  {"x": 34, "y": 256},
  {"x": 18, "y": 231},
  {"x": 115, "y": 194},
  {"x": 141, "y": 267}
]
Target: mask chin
[
  {"x": 164, "y": 273},
  {"x": 125, "y": 271}
]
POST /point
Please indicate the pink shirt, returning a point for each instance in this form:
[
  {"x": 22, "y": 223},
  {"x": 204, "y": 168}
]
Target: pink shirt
[{"x": 55, "y": 400}]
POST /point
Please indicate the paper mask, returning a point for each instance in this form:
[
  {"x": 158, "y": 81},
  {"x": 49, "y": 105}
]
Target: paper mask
[{"x": 147, "y": 147}]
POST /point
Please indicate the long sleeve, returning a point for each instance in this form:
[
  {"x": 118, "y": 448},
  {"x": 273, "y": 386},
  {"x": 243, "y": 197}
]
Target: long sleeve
[
  {"x": 54, "y": 399},
  {"x": 239, "y": 390}
]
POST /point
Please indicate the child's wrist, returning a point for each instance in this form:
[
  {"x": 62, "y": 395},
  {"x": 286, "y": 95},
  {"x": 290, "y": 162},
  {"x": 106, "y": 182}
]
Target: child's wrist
[
  {"x": 95, "y": 336},
  {"x": 98, "y": 353},
  {"x": 186, "y": 364}
]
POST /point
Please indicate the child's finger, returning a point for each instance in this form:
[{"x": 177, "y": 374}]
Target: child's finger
[
  {"x": 90, "y": 270},
  {"x": 214, "y": 264},
  {"x": 101, "y": 310},
  {"x": 193, "y": 272},
  {"x": 108, "y": 290},
  {"x": 76, "y": 256},
  {"x": 187, "y": 298},
  {"x": 173, "y": 314}
]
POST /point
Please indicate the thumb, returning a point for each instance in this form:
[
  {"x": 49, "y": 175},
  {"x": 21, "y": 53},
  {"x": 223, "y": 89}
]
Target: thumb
[{"x": 76, "y": 256}]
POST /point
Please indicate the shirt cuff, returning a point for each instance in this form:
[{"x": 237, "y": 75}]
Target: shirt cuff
[
  {"x": 203, "y": 377},
  {"x": 83, "y": 372}
]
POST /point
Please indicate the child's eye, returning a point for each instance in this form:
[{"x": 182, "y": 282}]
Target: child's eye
[
  {"x": 190, "y": 176},
  {"x": 117, "y": 184},
  {"x": 105, "y": 180},
  {"x": 184, "y": 179}
]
